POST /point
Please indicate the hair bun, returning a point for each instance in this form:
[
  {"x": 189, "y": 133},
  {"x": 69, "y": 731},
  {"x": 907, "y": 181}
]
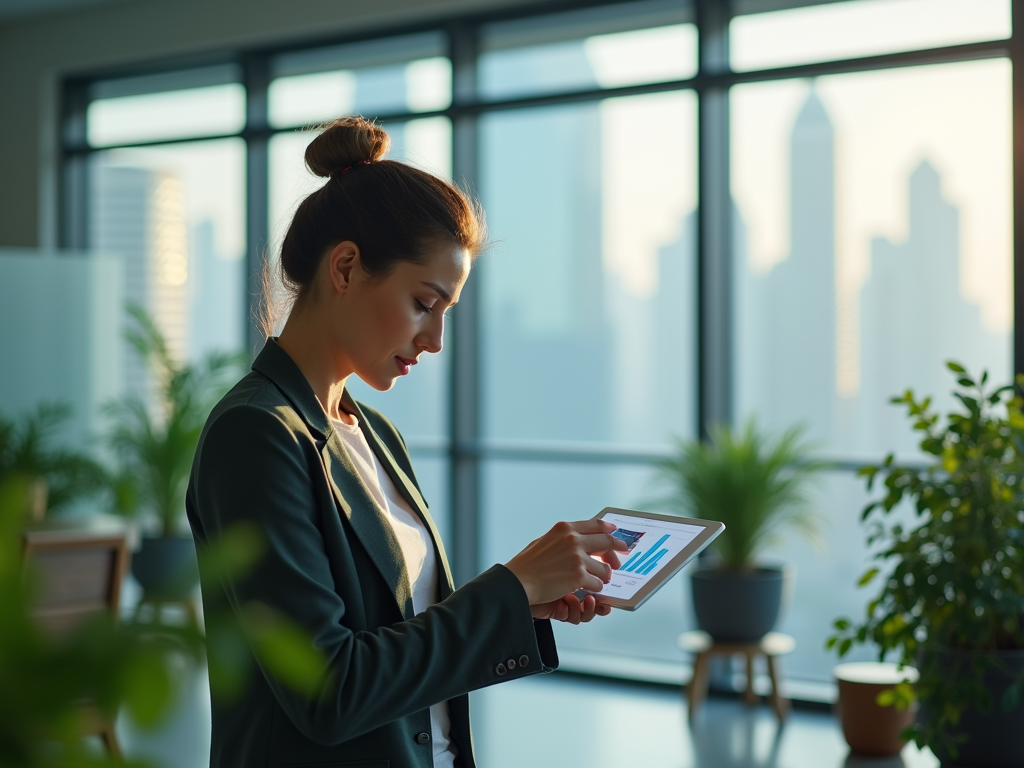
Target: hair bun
[{"x": 344, "y": 142}]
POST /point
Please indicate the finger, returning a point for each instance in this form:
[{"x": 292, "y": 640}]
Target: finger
[
  {"x": 603, "y": 609},
  {"x": 559, "y": 610},
  {"x": 593, "y": 525},
  {"x": 612, "y": 559},
  {"x": 602, "y": 542},
  {"x": 573, "y": 604},
  {"x": 587, "y": 608},
  {"x": 600, "y": 569}
]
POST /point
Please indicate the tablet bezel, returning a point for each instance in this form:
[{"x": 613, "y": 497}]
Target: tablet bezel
[{"x": 712, "y": 528}]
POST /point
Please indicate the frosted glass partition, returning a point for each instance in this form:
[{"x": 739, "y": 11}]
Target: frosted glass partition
[
  {"x": 832, "y": 31},
  {"x": 60, "y": 311},
  {"x": 873, "y": 244},
  {"x": 588, "y": 294}
]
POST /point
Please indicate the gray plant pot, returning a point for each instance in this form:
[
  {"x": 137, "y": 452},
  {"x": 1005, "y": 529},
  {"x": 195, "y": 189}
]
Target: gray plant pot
[
  {"x": 737, "y": 606},
  {"x": 993, "y": 740},
  {"x": 166, "y": 567}
]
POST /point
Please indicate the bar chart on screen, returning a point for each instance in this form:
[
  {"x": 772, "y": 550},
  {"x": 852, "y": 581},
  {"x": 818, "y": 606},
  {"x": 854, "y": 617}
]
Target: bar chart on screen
[{"x": 652, "y": 545}]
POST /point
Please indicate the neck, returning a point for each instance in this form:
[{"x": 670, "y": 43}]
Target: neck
[{"x": 320, "y": 361}]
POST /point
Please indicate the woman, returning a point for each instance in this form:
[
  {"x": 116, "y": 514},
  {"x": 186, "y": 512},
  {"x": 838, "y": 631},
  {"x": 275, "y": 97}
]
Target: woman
[{"x": 374, "y": 259}]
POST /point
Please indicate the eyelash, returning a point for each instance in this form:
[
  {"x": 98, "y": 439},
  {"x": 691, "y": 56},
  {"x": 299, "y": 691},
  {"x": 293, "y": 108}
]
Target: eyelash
[{"x": 430, "y": 310}]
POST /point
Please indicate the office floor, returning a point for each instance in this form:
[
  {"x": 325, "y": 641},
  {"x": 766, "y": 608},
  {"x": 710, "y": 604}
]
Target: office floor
[{"x": 555, "y": 721}]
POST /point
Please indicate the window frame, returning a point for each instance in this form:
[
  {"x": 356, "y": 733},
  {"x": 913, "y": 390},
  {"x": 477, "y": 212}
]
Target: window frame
[{"x": 466, "y": 448}]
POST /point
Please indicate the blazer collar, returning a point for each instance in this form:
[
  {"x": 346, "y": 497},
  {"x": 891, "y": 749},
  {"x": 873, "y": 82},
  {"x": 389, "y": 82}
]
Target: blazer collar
[{"x": 278, "y": 366}]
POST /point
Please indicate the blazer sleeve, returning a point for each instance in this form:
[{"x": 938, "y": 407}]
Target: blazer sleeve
[{"x": 253, "y": 466}]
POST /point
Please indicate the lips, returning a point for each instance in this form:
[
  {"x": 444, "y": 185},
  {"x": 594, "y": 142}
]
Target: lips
[{"x": 404, "y": 364}]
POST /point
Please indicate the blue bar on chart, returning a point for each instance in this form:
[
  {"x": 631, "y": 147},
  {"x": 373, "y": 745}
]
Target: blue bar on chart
[
  {"x": 636, "y": 556},
  {"x": 637, "y": 561},
  {"x": 652, "y": 563}
]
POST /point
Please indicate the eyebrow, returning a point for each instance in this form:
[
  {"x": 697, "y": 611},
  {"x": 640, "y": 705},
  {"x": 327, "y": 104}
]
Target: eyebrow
[{"x": 440, "y": 291}]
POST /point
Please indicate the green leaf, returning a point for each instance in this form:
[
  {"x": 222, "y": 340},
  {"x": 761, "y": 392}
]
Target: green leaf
[
  {"x": 867, "y": 577},
  {"x": 955, "y": 367}
]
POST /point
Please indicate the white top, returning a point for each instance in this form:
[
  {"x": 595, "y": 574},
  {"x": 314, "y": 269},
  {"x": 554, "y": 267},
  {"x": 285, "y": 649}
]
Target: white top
[{"x": 418, "y": 551}]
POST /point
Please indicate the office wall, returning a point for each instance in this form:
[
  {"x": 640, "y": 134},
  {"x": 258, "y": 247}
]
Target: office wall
[{"x": 36, "y": 52}]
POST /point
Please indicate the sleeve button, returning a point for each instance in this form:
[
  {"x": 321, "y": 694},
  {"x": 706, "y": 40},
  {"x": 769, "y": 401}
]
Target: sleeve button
[
  {"x": 524, "y": 660},
  {"x": 423, "y": 738},
  {"x": 511, "y": 664},
  {"x": 500, "y": 669}
]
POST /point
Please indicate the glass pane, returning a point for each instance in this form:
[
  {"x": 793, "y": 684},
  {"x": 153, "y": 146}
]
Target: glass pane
[
  {"x": 638, "y": 56},
  {"x": 862, "y": 28},
  {"x": 418, "y": 404},
  {"x": 380, "y": 77},
  {"x": 210, "y": 110},
  {"x": 175, "y": 216},
  {"x": 873, "y": 243},
  {"x": 536, "y": 495},
  {"x": 527, "y": 498},
  {"x": 589, "y": 291}
]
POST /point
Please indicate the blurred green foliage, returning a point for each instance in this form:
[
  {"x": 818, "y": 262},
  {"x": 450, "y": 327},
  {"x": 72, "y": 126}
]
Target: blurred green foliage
[
  {"x": 757, "y": 486},
  {"x": 154, "y": 448},
  {"x": 29, "y": 448},
  {"x": 951, "y": 584},
  {"x": 49, "y": 684}
]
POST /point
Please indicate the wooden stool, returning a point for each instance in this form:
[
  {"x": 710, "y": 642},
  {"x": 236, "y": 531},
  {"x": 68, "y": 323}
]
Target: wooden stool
[{"x": 703, "y": 647}]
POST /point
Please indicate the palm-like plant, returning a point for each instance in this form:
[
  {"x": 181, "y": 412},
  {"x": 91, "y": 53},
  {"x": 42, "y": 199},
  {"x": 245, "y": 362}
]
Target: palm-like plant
[
  {"x": 155, "y": 447},
  {"x": 757, "y": 486},
  {"x": 28, "y": 449}
]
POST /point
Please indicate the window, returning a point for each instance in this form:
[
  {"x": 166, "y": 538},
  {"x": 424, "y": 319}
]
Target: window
[{"x": 869, "y": 213}]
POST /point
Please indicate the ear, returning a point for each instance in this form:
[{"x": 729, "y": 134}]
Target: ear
[{"x": 341, "y": 265}]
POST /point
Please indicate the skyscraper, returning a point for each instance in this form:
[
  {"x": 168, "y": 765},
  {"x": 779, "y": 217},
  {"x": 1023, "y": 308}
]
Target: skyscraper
[
  {"x": 914, "y": 317},
  {"x": 139, "y": 216},
  {"x": 797, "y": 358}
]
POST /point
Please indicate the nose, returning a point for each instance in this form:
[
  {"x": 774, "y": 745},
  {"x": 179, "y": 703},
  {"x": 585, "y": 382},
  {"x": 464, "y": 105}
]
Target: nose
[{"x": 431, "y": 338}]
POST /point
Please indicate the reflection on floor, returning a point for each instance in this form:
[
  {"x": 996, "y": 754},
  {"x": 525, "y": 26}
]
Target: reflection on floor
[{"x": 559, "y": 721}]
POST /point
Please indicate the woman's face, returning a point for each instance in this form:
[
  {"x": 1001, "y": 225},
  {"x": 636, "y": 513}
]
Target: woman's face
[{"x": 382, "y": 326}]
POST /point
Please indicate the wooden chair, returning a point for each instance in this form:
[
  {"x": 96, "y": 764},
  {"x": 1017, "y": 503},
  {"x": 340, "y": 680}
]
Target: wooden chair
[{"x": 80, "y": 565}]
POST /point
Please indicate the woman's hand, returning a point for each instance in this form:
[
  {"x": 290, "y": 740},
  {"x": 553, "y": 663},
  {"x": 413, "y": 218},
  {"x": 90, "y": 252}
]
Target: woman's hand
[
  {"x": 570, "y": 610},
  {"x": 554, "y": 566}
]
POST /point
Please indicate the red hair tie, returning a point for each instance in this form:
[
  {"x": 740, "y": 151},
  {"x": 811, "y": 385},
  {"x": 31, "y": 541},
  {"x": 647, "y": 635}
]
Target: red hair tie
[{"x": 348, "y": 168}]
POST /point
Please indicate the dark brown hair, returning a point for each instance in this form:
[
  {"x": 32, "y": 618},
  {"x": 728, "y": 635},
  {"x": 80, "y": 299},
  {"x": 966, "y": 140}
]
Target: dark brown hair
[{"x": 392, "y": 211}]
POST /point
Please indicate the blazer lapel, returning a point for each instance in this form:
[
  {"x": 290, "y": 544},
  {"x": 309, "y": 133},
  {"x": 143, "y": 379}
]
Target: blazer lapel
[
  {"x": 408, "y": 490},
  {"x": 367, "y": 520},
  {"x": 352, "y": 496}
]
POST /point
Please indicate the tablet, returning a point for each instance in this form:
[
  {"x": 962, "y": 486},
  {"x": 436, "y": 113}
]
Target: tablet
[{"x": 659, "y": 546}]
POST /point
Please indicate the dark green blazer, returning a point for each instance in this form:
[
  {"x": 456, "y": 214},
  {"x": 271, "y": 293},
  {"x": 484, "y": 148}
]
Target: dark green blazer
[{"x": 269, "y": 454}]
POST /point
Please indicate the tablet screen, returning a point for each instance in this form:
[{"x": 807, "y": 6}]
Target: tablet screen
[{"x": 652, "y": 545}]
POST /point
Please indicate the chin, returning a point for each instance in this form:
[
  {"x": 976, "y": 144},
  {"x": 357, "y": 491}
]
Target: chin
[{"x": 382, "y": 384}]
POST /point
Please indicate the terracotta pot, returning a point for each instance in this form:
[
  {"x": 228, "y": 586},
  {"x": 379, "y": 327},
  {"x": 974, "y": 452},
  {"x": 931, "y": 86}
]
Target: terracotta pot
[{"x": 869, "y": 728}]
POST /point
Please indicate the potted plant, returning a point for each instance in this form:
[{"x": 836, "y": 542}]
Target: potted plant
[
  {"x": 58, "y": 476},
  {"x": 154, "y": 445},
  {"x": 951, "y": 596},
  {"x": 758, "y": 487}
]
